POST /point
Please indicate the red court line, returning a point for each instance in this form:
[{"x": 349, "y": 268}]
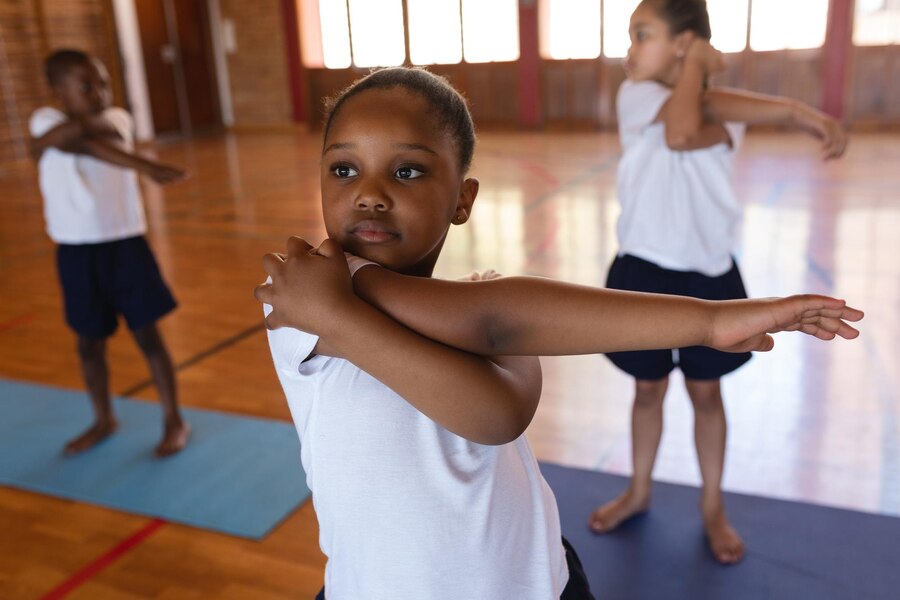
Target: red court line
[
  {"x": 104, "y": 561},
  {"x": 16, "y": 321}
]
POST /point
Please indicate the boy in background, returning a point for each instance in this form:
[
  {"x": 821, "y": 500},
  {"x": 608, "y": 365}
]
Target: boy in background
[{"x": 94, "y": 213}]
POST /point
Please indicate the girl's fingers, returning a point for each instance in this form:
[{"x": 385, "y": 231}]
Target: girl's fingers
[
  {"x": 271, "y": 262},
  {"x": 263, "y": 293},
  {"x": 297, "y": 245}
]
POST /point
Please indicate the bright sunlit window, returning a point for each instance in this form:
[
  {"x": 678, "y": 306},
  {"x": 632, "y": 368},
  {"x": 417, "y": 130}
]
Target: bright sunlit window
[
  {"x": 877, "y": 23},
  {"x": 784, "y": 25},
  {"x": 377, "y": 33},
  {"x": 728, "y": 21},
  {"x": 616, "y": 19},
  {"x": 434, "y": 32},
  {"x": 324, "y": 34},
  {"x": 490, "y": 30},
  {"x": 569, "y": 28}
]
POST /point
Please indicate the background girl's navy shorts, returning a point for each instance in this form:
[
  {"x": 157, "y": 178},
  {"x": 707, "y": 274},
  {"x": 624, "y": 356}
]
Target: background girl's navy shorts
[
  {"x": 101, "y": 281},
  {"x": 696, "y": 362}
]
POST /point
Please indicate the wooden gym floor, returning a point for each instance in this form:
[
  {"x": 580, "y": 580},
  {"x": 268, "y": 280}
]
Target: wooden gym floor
[{"x": 810, "y": 421}]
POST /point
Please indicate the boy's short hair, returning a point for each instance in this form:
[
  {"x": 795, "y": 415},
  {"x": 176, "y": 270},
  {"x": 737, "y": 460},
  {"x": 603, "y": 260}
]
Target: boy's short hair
[
  {"x": 446, "y": 102},
  {"x": 60, "y": 62}
]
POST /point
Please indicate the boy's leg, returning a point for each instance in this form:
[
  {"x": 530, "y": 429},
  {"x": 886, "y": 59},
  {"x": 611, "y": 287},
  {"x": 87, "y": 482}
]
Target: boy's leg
[
  {"x": 709, "y": 436},
  {"x": 92, "y": 355},
  {"x": 646, "y": 431},
  {"x": 175, "y": 429}
]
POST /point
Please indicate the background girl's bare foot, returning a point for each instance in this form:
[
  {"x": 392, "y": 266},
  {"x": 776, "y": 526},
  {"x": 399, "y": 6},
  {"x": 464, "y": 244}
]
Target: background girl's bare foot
[
  {"x": 95, "y": 434},
  {"x": 612, "y": 514},
  {"x": 724, "y": 542},
  {"x": 175, "y": 438}
]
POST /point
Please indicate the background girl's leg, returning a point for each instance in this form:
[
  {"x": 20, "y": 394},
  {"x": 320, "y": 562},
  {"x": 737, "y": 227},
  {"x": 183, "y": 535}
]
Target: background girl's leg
[
  {"x": 175, "y": 429},
  {"x": 646, "y": 431},
  {"x": 709, "y": 437},
  {"x": 92, "y": 355}
]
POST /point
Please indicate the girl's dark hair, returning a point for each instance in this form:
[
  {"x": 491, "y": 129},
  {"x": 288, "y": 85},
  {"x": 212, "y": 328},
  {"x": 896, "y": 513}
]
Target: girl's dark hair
[
  {"x": 446, "y": 103},
  {"x": 60, "y": 62},
  {"x": 684, "y": 15}
]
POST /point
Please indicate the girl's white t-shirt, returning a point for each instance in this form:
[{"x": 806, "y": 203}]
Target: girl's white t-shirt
[
  {"x": 88, "y": 201},
  {"x": 679, "y": 209},
  {"x": 408, "y": 510}
]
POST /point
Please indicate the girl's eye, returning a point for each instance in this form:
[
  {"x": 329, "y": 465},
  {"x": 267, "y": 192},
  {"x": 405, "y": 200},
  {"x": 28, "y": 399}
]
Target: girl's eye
[
  {"x": 344, "y": 171},
  {"x": 640, "y": 36},
  {"x": 408, "y": 173}
]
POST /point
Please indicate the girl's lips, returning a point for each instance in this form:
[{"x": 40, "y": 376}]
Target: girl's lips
[{"x": 374, "y": 232}]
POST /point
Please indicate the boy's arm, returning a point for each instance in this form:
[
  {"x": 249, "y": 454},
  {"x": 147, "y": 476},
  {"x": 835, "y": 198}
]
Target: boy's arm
[
  {"x": 485, "y": 401},
  {"x": 96, "y": 136},
  {"x": 724, "y": 104},
  {"x": 535, "y": 316}
]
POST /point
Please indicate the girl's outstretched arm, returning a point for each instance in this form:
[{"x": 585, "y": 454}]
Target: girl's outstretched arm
[
  {"x": 725, "y": 104},
  {"x": 535, "y": 316}
]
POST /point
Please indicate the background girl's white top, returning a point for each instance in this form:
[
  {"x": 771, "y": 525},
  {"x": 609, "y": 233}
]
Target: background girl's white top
[
  {"x": 679, "y": 209},
  {"x": 88, "y": 201},
  {"x": 408, "y": 510}
]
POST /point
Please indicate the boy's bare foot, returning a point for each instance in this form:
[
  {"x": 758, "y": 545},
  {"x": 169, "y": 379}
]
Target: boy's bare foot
[
  {"x": 612, "y": 514},
  {"x": 95, "y": 434},
  {"x": 724, "y": 542},
  {"x": 175, "y": 438}
]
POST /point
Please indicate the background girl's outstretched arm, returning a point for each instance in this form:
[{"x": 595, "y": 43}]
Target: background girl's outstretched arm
[{"x": 725, "y": 104}]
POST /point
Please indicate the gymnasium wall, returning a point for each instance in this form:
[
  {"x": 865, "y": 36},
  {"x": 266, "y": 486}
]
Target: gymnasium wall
[{"x": 29, "y": 30}]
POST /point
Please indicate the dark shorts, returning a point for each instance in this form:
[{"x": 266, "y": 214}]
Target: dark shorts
[
  {"x": 102, "y": 281},
  {"x": 696, "y": 362},
  {"x": 576, "y": 589}
]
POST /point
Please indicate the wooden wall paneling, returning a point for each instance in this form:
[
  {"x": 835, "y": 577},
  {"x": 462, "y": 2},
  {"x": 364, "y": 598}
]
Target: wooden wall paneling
[{"x": 874, "y": 95}]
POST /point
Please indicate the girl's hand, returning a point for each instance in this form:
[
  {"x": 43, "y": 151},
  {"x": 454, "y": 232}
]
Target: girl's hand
[
  {"x": 710, "y": 59},
  {"x": 310, "y": 288},
  {"x": 827, "y": 129},
  {"x": 742, "y": 326}
]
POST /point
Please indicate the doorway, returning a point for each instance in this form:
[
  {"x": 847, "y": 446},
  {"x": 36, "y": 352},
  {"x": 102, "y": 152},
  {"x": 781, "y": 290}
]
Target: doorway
[{"x": 178, "y": 62}]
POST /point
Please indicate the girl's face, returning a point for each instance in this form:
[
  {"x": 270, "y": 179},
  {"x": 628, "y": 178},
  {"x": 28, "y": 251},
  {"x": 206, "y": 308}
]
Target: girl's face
[
  {"x": 391, "y": 181},
  {"x": 655, "y": 54}
]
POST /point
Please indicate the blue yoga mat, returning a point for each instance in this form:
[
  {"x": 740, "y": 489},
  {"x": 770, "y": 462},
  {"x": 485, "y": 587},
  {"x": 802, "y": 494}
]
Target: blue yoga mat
[
  {"x": 238, "y": 475},
  {"x": 794, "y": 550}
]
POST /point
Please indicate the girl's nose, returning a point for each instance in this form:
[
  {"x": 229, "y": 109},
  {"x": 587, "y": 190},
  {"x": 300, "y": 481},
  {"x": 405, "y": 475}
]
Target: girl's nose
[{"x": 372, "y": 197}]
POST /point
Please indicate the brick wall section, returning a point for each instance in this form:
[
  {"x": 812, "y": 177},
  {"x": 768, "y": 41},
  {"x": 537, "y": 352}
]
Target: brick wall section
[
  {"x": 28, "y": 30},
  {"x": 258, "y": 71}
]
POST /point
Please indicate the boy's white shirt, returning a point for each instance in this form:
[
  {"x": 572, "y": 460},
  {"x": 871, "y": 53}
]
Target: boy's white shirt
[
  {"x": 88, "y": 201},
  {"x": 679, "y": 209},
  {"x": 408, "y": 510}
]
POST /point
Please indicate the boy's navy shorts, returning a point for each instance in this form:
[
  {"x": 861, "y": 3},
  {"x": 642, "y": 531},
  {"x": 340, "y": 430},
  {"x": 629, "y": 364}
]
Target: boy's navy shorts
[
  {"x": 101, "y": 281},
  {"x": 696, "y": 362},
  {"x": 577, "y": 587}
]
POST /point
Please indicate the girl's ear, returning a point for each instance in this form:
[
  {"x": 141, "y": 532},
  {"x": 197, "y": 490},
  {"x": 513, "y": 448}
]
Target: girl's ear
[
  {"x": 683, "y": 41},
  {"x": 467, "y": 193}
]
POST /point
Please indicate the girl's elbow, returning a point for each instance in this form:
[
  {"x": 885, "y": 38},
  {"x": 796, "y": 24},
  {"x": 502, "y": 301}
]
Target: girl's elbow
[{"x": 678, "y": 141}]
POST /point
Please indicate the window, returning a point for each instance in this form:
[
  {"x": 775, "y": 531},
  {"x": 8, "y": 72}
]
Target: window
[
  {"x": 876, "y": 23},
  {"x": 616, "y": 21},
  {"x": 435, "y": 36},
  {"x": 784, "y": 25},
  {"x": 376, "y": 28},
  {"x": 569, "y": 29},
  {"x": 370, "y": 33},
  {"x": 728, "y": 21},
  {"x": 490, "y": 30}
]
